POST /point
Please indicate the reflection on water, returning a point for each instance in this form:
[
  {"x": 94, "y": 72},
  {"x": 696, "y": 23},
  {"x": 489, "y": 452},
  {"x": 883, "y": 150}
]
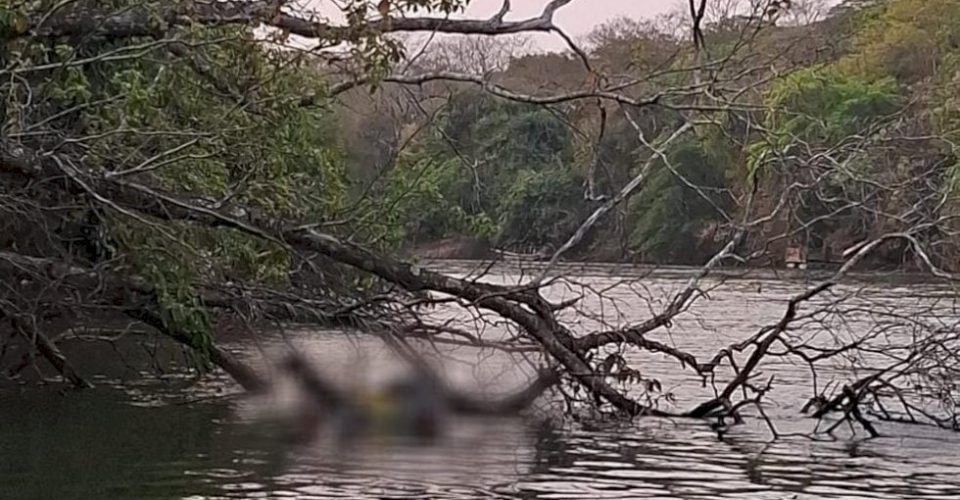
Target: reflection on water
[
  {"x": 95, "y": 446},
  {"x": 146, "y": 440}
]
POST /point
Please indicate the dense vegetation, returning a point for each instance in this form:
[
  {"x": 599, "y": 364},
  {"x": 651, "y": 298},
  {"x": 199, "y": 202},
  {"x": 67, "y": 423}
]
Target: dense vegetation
[
  {"x": 117, "y": 114},
  {"x": 524, "y": 176}
]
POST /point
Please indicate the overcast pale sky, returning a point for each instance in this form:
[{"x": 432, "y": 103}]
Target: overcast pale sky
[{"x": 576, "y": 18}]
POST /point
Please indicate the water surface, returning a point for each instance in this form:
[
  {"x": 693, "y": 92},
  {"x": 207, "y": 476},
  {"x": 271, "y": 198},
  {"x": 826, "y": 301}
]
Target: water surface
[{"x": 162, "y": 432}]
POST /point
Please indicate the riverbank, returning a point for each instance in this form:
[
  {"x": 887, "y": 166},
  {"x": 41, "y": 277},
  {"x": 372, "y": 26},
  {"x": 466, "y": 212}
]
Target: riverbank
[
  {"x": 499, "y": 265},
  {"x": 465, "y": 253}
]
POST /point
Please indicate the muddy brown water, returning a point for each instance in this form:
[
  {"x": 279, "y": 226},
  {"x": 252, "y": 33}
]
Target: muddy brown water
[{"x": 161, "y": 432}]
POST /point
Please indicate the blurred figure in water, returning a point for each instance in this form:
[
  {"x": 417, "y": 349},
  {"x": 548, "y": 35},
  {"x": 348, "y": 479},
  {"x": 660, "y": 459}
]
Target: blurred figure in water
[
  {"x": 416, "y": 405},
  {"x": 411, "y": 407}
]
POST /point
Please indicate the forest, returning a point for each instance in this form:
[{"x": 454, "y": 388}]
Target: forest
[
  {"x": 522, "y": 173},
  {"x": 197, "y": 171}
]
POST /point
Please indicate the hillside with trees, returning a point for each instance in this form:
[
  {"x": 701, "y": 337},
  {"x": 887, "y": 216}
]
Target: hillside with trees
[{"x": 524, "y": 171}]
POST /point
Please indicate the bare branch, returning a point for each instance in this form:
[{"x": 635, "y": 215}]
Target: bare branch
[{"x": 141, "y": 21}]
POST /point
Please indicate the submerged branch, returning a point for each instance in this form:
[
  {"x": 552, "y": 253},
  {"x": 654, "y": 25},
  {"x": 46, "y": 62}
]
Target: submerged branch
[{"x": 48, "y": 350}]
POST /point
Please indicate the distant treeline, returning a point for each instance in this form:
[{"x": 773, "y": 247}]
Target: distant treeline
[{"x": 874, "y": 84}]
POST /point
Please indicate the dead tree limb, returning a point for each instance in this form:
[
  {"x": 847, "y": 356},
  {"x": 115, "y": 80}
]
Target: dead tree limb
[
  {"x": 49, "y": 351},
  {"x": 146, "y": 21},
  {"x": 524, "y": 306}
]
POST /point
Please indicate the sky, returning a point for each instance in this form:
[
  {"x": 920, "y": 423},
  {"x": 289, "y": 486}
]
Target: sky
[{"x": 577, "y": 18}]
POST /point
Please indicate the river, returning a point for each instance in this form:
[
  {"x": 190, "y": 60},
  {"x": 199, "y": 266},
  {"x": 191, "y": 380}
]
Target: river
[{"x": 153, "y": 429}]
